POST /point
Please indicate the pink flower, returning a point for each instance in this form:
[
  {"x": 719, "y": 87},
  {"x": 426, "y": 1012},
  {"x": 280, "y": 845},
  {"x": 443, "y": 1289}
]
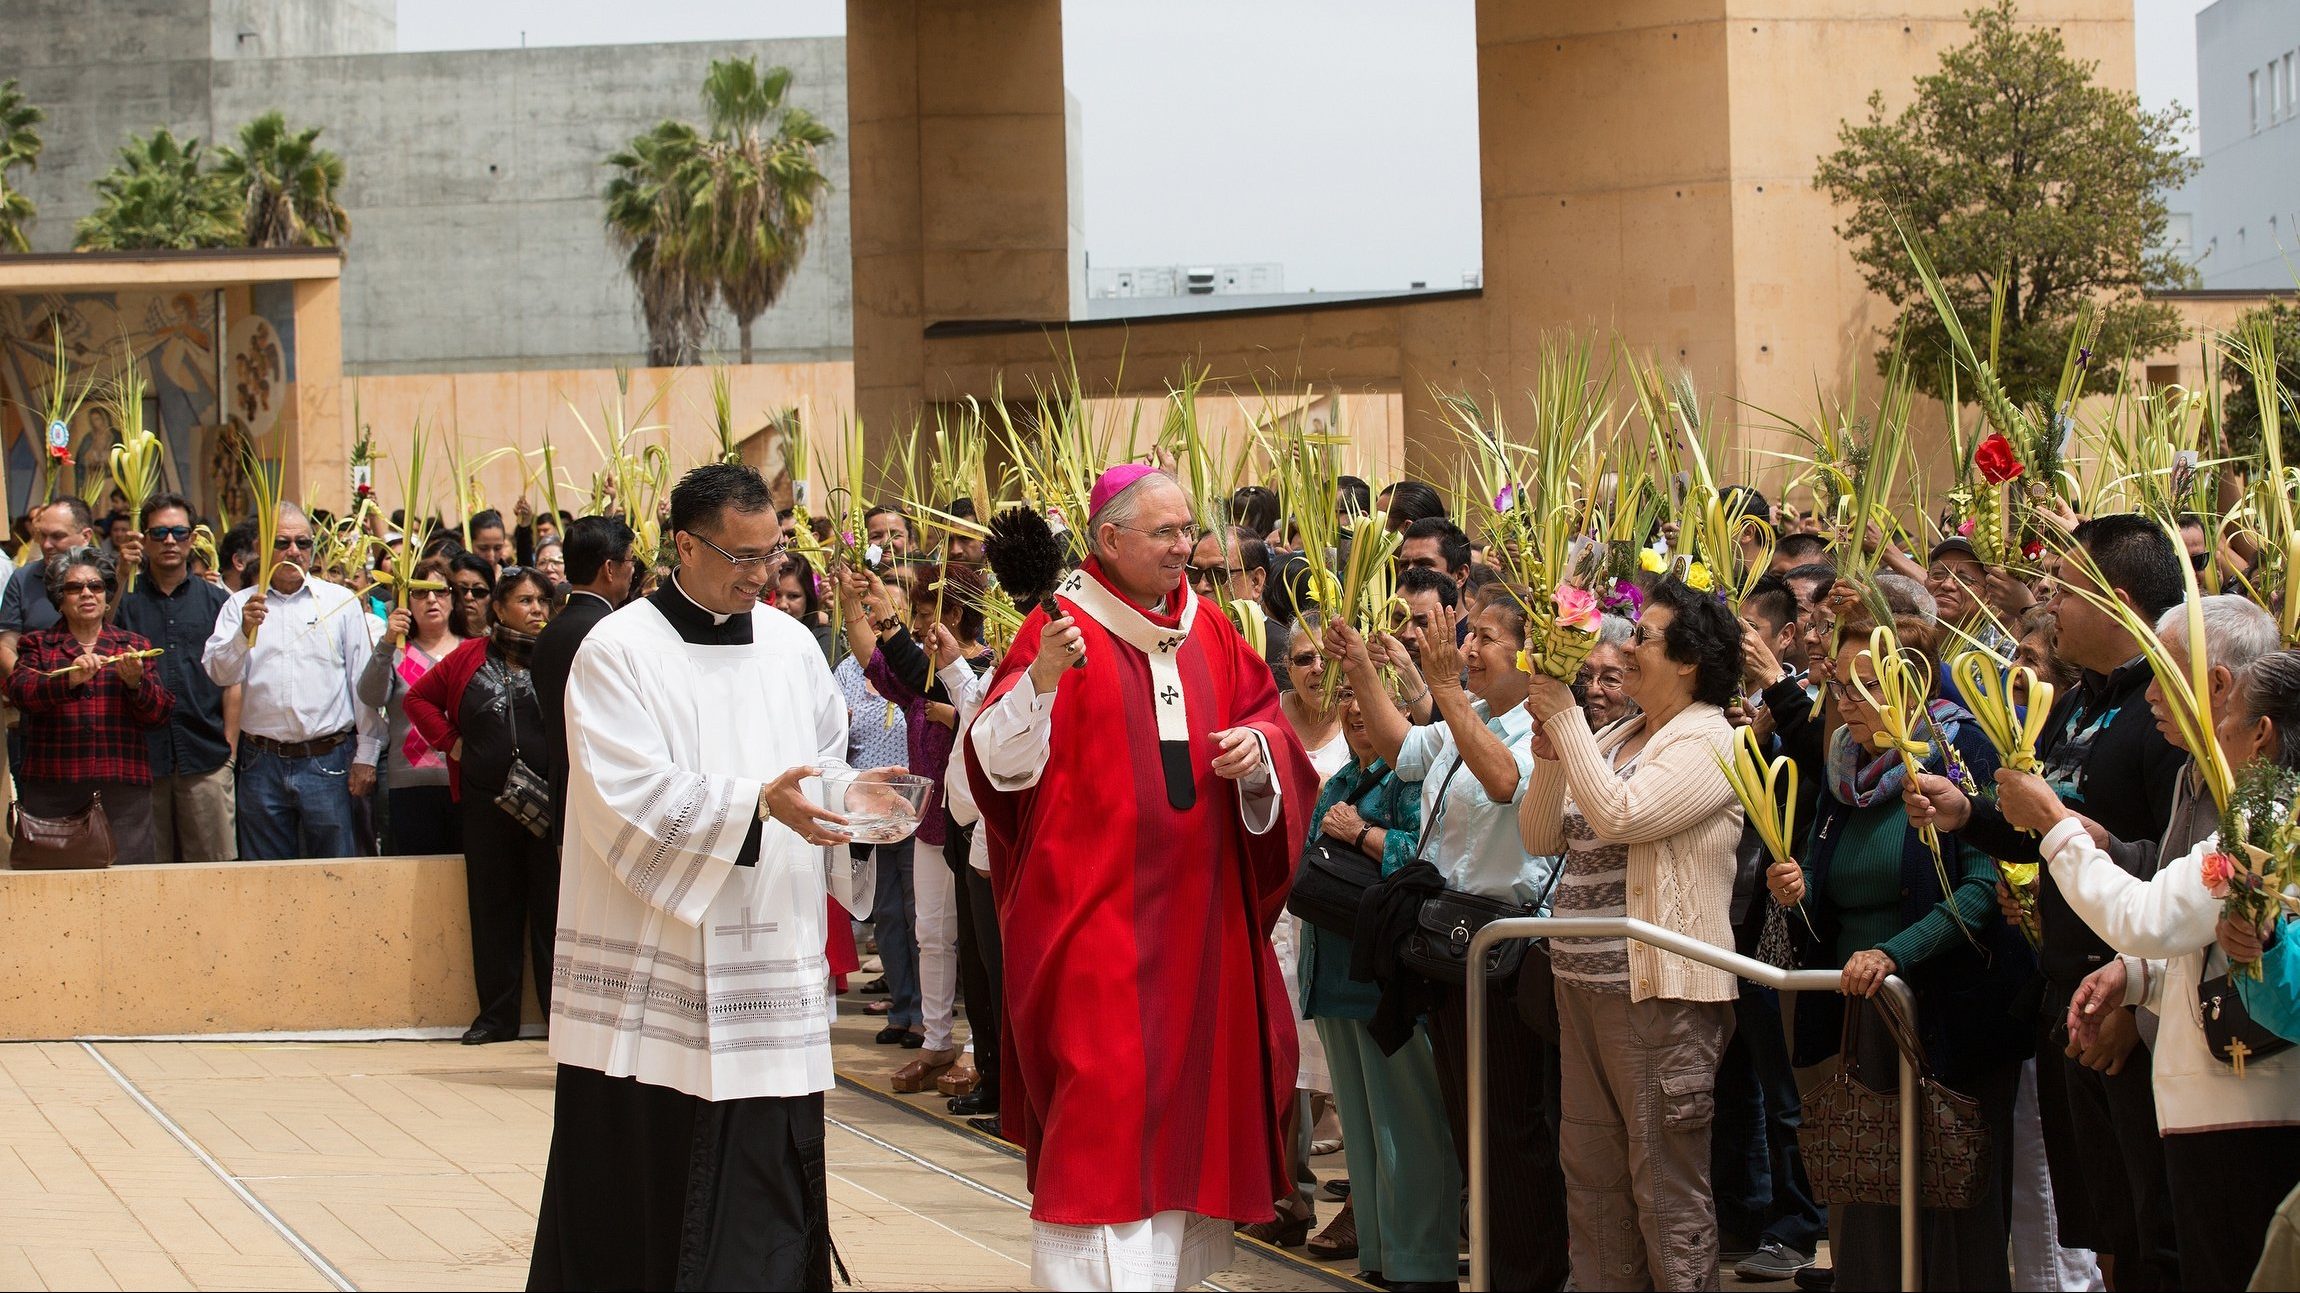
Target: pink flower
[
  {"x": 1507, "y": 496},
  {"x": 1577, "y": 608},
  {"x": 2219, "y": 869},
  {"x": 1966, "y": 529}
]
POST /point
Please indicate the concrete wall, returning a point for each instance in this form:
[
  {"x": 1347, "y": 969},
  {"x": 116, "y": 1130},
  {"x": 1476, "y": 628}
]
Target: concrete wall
[
  {"x": 472, "y": 178},
  {"x": 2246, "y": 200},
  {"x": 236, "y": 947}
]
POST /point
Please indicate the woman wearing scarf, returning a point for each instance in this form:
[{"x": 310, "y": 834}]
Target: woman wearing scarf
[
  {"x": 479, "y": 705},
  {"x": 1876, "y": 905}
]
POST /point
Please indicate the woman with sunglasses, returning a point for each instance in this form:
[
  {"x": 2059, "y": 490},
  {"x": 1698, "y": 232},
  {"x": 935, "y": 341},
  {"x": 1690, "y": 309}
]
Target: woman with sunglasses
[
  {"x": 87, "y": 711},
  {"x": 469, "y": 581},
  {"x": 420, "y": 814},
  {"x": 479, "y": 705}
]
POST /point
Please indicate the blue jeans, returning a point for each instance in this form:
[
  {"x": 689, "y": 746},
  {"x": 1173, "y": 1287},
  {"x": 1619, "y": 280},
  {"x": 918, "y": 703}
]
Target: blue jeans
[
  {"x": 296, "y": 808},
  {"x": 1755, "y": 1170},
  {"x": 894, "y": 917}
]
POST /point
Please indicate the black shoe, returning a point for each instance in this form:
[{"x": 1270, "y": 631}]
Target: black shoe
[
  {"x": 973, "y": 1103},
  {"x": 1337, "y": 1189},
  {"x": 893, "y": 1035},
  {"x": 987, "y": 1126},
  {"x": 875, "y": 988},
  {"x": 913, "y": 1041},
  {"x": 1374, "y": 1278},
  {"x": 481, "y": 1035},
  {"x": 1817, "y": 1279}
]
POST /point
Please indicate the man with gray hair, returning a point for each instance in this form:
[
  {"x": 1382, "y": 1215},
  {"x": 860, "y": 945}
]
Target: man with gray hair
[
  {"x": 308, "y": 747},
  {"x": 1143, "y": 812}
]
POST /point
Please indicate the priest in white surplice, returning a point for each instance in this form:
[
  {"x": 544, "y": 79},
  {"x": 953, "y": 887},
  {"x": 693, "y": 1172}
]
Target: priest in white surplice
[{"x": 689, "y": 1007}]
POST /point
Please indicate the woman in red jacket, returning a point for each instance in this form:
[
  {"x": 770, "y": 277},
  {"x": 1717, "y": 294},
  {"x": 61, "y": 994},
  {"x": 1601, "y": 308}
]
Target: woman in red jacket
[{"x": 479, "y": 705}]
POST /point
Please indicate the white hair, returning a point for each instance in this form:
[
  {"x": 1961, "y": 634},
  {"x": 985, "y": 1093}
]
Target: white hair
[
  {"x": 1614, "y": 630},
  {"x": 2236, "y": 631},
  {"x": 1905, "y": 596}
]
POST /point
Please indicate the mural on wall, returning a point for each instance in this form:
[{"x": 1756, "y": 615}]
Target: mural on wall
[{"x": 171, "y": 336}]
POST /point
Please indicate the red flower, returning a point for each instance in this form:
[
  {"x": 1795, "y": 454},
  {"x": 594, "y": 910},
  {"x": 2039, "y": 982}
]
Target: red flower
[
  {"x": 1994, "y": 456},
  {"x": 59, "y": 453},
  {"x": 2032, "y": 549}
]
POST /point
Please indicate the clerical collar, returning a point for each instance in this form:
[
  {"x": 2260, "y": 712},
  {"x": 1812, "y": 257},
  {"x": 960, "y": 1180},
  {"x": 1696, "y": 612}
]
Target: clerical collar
[
  {"x": 585, "y": 592},
  {"x": 695, "y": 624}
]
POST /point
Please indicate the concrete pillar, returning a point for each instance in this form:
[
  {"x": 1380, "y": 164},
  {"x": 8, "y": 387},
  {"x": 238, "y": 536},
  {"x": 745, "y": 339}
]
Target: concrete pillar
[
  {"x": 961, "y": 196},
  {"x": 318, "y": 446}
]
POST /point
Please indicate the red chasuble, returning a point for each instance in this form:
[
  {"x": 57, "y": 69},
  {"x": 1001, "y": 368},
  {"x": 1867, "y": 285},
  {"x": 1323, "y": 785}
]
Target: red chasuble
[{"x": 1149, "y": 1043}]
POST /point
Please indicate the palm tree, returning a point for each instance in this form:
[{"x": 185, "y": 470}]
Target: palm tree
[
  {"x": 19, "y": 146},
  {"x": 763, "y": 162},
  {"x": 159, "y": 197},
  {"x": 286, "y": 185},
  {"x": 651, "y": 201}
]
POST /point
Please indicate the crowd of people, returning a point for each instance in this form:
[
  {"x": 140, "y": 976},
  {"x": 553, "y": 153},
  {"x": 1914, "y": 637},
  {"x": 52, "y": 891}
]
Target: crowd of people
[{"x": 1646, "y": 1117}]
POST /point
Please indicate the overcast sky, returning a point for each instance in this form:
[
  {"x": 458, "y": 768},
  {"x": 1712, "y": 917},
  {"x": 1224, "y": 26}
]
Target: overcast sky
[{"x": 1337, "y": 137}]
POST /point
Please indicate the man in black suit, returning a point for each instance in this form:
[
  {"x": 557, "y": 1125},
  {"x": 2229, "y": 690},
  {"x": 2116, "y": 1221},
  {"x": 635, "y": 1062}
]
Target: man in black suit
[{"x": 599, "y": 569}]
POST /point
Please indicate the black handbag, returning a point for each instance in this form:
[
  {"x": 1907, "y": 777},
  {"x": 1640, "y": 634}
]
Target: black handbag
[
  {"x": 526, "y": 796},
  {"x": 1437, "y": 948},
  {"x": 2230, "y": 1032},
  {"x": 1329, "y": 884}
]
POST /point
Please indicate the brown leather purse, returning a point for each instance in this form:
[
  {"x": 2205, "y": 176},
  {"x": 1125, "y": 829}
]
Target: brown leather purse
[
  {"x": 1851, "y": 1140},
  {"x": 81, "y": 842}
]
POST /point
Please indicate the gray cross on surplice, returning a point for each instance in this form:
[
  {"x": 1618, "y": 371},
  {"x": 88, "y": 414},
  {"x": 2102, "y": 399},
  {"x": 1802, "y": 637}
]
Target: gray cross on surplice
[{"x": 746, "y": 929}]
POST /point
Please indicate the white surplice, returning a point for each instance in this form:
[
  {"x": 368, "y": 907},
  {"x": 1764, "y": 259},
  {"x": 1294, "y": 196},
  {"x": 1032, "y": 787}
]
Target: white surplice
[{"x": 673, "y": 964}]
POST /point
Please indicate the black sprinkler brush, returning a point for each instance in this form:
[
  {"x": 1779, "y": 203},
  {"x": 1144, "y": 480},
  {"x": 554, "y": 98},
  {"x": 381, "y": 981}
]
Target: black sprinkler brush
[{"x": 1027, "y": 556}]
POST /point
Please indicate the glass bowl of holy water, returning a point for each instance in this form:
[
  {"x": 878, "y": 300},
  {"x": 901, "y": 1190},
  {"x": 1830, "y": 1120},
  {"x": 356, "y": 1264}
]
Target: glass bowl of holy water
[{"x": 880, "y": 807}]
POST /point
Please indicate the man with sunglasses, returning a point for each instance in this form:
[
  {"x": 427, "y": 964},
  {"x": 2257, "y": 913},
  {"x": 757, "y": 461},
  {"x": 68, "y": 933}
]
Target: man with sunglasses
[
  {"x": 193, "y": 814},
  {"x": 308, "y": 747}
]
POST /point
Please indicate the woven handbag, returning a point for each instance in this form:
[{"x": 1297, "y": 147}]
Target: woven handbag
[{"x": 1851, "y": 1139}]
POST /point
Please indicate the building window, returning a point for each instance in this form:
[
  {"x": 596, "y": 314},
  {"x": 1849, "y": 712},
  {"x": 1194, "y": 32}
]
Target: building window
[
  {"x": 2291, "y": 91},
  {"x": 2252, "y": 93}
]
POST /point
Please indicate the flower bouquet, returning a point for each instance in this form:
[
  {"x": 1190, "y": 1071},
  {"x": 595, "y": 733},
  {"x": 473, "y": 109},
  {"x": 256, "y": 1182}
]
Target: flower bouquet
[
  {"x": 2259, "y": 854},
  {"x": 1561, "y": 635}
]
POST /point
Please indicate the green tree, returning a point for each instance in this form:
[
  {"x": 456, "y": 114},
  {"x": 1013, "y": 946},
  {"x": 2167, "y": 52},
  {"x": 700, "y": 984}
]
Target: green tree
[
  {"x": 19, "y": 146},
  {"x": 2017, "y": 173},
  {"x": 763, "y": 168},
  {"x": 286, "y": 185},
  {"x": 2240, "y": 405},
  {"x": 651, "y": 201},
  {"x": 160, "y": 195}
]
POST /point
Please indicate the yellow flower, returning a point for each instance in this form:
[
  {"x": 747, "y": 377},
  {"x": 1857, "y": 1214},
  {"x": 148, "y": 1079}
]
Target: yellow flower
[
  {"x": 1525, "y": 662},
  {"x": 1651, "y": 562},
  {"x": 2020, "y": 875},
  {"x": 1697, "y": 577}
]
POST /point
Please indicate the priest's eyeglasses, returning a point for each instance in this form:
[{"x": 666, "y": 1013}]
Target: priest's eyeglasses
[
  {"x": 760, "y": 561},
  {"x": 1167, "y": 536}
]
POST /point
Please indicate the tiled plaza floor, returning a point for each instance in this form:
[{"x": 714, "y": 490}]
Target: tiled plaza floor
[{"x": 417, "y": 1165}]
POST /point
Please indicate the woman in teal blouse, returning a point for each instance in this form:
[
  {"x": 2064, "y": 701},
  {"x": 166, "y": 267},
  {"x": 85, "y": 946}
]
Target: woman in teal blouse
[{"x": 1394, "y": 1132}]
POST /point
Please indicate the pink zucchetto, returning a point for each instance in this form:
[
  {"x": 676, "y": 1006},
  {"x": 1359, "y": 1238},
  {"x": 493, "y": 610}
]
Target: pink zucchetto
[{"x": 1114, "y": 482}]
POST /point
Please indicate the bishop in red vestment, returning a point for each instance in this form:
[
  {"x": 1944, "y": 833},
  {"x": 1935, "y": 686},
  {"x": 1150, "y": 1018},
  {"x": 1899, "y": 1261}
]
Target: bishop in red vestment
[{"x": 1144, "y": 811}]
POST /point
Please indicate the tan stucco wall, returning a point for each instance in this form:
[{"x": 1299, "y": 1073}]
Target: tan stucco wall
[
  {"x": 232, "y": 947},
  {"x": 1646, "y": 168},
  {"x": 518, "y": 409}
]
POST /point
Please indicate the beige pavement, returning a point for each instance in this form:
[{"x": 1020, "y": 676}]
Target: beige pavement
[{"x": 225, "y": 1165}]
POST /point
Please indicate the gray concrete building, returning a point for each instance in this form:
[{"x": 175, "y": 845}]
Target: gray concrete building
[
  {"x": 2243, "y": 208},
  {"x": 473, "y": 178}
]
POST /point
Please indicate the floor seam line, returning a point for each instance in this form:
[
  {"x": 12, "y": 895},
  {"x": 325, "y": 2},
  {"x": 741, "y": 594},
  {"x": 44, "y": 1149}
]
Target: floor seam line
[{"x": 311, "y": 1255}]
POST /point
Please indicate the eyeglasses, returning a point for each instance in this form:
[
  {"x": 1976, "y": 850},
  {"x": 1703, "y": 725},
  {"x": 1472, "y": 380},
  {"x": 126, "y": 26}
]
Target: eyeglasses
[
  {"x": 758, "y": 562},
  {"x": 1642, "y": 634},
  {"x": 283, "y": 542},
  {"x": 430, "y": 592},
  {"x": 1303, "y": 661},
  {"x": 168, "y": 533},
  {"x": 1169, "y": 535},
  {"x": 2199, "y": 560},
  {"x": 473, "y": 591},
  {"x": 84, "y": 586},
  {"x": 1201, "y": 574}
]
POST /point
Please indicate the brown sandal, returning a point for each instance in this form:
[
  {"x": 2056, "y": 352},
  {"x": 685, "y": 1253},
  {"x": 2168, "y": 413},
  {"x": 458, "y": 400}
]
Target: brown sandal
[
  {"x": 962, "y": 1079},
  {"x": 920, "y": 1073},
  {"x": 1339, "y": 1240}
]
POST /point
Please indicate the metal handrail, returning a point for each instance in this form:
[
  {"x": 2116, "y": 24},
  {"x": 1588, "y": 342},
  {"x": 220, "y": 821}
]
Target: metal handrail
[{"x": 1692, "y": 949}]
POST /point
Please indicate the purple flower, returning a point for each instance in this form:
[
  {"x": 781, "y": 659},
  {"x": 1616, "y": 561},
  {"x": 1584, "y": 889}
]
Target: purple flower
[{"x": 1503, "y": 500}]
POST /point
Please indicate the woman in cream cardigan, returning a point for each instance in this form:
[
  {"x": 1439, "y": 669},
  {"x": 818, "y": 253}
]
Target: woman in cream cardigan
[{"x": 1647, "y": 824}]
